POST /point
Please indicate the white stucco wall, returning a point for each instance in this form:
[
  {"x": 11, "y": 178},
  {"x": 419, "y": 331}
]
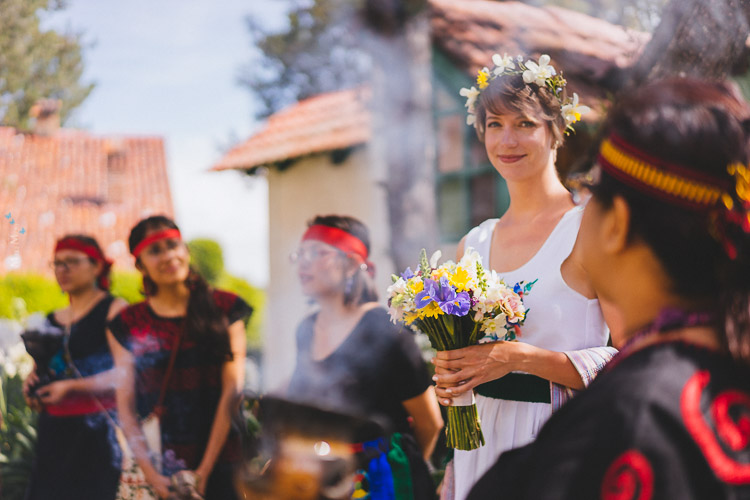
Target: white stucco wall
[{"x": 314, "y": 186}]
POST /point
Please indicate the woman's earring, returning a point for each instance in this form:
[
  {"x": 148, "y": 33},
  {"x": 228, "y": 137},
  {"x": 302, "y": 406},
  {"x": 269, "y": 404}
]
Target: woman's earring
[{"x": 348, "y": 285}]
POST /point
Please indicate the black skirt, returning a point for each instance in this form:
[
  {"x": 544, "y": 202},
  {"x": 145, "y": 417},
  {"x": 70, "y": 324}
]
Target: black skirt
[{"x": 76, "y": 458}]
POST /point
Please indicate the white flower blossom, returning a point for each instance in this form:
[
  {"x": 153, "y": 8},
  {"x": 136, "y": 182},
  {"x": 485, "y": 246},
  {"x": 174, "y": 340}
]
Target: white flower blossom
[
  {"x": 471, "y": 95},
  {"x": 397, "y": 288},
  {"x": 538, "y": 73},
  {"x": 502, "y": 63},
  {"x": 435, "y": 257},
  {"x": 572, "y": 111}
]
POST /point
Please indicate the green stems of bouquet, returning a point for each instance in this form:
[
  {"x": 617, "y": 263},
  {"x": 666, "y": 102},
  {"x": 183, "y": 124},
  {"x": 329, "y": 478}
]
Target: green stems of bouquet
[{"x": 463, "y": 431}]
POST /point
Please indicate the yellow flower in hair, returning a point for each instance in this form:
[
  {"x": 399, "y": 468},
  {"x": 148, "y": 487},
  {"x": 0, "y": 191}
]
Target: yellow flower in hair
[
  {"x": 483, "y": 78},
  {"x": 572, "y": 111}
]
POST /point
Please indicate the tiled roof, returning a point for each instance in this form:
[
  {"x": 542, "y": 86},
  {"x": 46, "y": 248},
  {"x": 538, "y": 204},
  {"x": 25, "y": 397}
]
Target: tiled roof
[
  {"x": 590, "y": 51},
  {"x": 326, "y": 122},
  {"x": 76, "y": 182}
]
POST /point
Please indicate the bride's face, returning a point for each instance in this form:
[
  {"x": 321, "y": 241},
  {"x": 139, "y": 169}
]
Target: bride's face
[{"x": 518, "y": 145}]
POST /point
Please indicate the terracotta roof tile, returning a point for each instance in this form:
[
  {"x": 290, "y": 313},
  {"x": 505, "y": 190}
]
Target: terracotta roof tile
[
  {"x": 76, "y": 182},
  {"x": 325, "y": 122}
]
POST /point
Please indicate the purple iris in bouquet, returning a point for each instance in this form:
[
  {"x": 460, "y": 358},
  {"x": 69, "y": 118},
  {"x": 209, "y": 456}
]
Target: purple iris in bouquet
[{"x": 445, "y": 296}]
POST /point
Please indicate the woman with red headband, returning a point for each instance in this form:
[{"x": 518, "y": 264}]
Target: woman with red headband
[
  {"x": 183, "y": 349},
  {"x": 76, "y": 452},
  {"x": 666, "y": 238},
  {"x": 351, "y": 358}
]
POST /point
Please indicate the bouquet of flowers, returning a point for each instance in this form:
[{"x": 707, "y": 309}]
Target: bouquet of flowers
[{"x": 457, "y": 305}]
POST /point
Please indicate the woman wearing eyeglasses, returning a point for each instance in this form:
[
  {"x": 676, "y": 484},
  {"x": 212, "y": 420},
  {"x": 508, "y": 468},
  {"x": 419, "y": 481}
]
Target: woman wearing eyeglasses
[
  {"x": 204, "y": 329},
  {"x": 351, "y": 358},
  {"x": 76, "y": 452}
]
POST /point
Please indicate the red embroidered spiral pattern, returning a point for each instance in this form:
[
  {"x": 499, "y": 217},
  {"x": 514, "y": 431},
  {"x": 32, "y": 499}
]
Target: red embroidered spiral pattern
[
  {"x": 734, "y": 434},
  {"x": 629, "y": 477}
]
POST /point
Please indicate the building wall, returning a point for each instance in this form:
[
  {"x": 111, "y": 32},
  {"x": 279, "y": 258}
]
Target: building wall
[{"x": 315, "y": 186}]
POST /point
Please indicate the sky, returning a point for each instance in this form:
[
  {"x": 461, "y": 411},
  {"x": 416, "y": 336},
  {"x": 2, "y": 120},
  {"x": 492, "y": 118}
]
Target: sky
[{"x": 169, "y": 68}]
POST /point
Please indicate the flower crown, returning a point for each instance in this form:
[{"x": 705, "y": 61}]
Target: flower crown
[{"x": 541, "y": 73}]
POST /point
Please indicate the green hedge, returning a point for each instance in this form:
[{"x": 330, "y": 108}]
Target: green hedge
[{"x": 40, "y": 294}]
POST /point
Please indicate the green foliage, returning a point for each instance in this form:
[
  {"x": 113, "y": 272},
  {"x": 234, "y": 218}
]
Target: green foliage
[
  {"x": 36, "y": 64},
  {"x": 128, "y": 285},
  {"x": 207, "y": 258},
  {"x": 39, "y": 294},
  {"x": 17, "y": 438},
  {"x": 319, "y": 50},
  {"x": 253, "y": 296}
]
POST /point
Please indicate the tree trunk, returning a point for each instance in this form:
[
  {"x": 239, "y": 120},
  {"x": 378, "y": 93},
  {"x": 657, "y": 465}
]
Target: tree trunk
[
  {"x": 700, "y": 38},
  {"x": 399, "y": 43}
]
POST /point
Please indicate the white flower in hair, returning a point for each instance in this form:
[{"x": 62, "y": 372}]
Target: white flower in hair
[
  {"x": 572, "y": 111},
  {"x": 538, "y": 73},
  {"x": 502, "y": 63},
  {"x": 471, "y": 97}
]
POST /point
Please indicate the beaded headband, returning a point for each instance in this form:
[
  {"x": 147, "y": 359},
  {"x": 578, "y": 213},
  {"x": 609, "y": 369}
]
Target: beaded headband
[
  {"x": 541, "y": 73},
  {"x": 682, "y": 186}
]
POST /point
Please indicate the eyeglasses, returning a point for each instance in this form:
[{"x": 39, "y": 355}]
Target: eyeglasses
[
  {"x": 66, "y": 264},
  {"x": 310, "y": 254}
]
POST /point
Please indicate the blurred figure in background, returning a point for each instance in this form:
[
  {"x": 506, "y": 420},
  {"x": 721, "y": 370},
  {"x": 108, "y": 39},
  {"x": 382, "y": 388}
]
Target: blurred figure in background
[
  {"x": 206, "y": 330},
  {"x": 352, "y": 358},
  {"x": 76, "y": 451},
  {"x": 666, "y": 239}
]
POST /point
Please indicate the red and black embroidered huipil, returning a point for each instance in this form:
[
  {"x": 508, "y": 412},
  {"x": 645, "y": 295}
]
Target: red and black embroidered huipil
[
  {"x": 669, "y": 421},
  {"x": 194, "y": 387}
]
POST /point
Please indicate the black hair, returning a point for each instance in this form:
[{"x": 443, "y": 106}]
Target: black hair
[
  {"x": 204, "y": 321},
  {"x": 362, "y": 289},
  {"x": 102, "y": 279},
  {"x": 701, "y": 126}
]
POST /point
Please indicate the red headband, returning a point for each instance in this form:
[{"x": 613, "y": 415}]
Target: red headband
[
  {"x": 76, "y": 244},
  {"x": 158, "y": 236},
  {"x": 91, "y": 251},
  {"x": 346, "y": 242}
]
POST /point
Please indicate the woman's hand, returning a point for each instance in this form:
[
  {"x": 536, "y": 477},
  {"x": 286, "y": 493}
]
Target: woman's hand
[
  {"x": 32, "y": 400},
  {"x": 161, "y": 484},
  {"x": 461, "y": 370},
  {"x": 54, "y": 392}
]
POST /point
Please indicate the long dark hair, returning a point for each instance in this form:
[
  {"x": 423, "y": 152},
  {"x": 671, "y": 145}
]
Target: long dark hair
[
  {"x": 362, "y": 288},
  {"x": 204, "y": 321},
  {"x": 704, "y": 127},
  {"x": 102, "y": 279}
]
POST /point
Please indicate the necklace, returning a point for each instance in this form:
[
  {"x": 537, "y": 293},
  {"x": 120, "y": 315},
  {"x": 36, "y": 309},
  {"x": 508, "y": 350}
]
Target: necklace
[{"x": 670, "y": 318}]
